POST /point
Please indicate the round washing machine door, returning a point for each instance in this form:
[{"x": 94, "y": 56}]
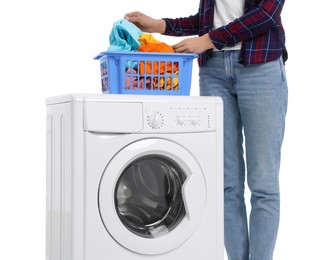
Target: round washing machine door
[{"x": 151, "y": 196}]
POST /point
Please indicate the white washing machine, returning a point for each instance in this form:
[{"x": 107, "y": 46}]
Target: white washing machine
[{"x": 134, "y": 177}]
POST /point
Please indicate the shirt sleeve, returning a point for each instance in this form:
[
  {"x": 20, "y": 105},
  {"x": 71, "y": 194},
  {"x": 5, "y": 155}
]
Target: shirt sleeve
[
  {"x": 260, "y": 19},
  {"x": 182, "y": 26}
]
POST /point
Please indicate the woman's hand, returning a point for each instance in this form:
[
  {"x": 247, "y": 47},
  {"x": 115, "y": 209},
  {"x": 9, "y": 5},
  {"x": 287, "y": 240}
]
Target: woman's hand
[
  {"x": 194, "y": 45},
  {"x": 146, "y": 23}
]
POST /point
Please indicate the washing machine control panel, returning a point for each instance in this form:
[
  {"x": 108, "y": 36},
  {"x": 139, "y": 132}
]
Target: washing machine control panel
[{"x": 179, "y": 117}]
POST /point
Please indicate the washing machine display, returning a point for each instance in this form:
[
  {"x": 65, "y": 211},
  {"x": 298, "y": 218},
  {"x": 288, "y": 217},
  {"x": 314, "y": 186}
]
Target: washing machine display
[{"x": 148, "y": 196}]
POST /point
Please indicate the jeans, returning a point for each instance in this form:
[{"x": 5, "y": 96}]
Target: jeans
[{"x": 255, "y": 105}]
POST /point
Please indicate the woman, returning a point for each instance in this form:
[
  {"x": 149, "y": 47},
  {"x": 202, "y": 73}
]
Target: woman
[{"x": 241, "y": 47}]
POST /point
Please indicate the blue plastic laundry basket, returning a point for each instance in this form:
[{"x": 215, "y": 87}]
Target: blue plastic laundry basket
[{"x": 146, "y": 73}]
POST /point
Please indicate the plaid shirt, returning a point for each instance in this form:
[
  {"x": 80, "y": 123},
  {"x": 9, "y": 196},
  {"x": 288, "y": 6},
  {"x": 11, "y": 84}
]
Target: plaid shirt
[{"x": 259, "y": 29}]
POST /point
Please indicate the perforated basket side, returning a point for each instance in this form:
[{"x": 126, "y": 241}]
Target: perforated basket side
[{"x": 147, "y": 73}]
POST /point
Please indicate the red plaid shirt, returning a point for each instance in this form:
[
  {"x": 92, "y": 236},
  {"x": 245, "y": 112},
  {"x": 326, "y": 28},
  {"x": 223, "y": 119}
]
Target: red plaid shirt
[{"x": 259, "y": 29}]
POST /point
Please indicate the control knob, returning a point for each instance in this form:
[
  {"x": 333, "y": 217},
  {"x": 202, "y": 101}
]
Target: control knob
[
  {"x": 180, "y": 120},
  {"x": 155, "y": 121},
  {"x": 194, "y": 121}
]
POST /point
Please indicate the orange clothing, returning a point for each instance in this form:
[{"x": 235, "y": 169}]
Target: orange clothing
[
  {"x": 147, "y": 38},
  {"x": 156, "y": 47},
  {"x": 152, "y": 67}
]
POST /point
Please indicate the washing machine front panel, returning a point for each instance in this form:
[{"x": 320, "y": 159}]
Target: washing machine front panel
[
  {"x": 94, "y": 143},
  {"x": 147, "y": 196}
]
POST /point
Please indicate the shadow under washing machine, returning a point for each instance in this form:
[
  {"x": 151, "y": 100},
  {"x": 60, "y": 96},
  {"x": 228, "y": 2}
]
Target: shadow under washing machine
[{"x": 134, "y": 177}]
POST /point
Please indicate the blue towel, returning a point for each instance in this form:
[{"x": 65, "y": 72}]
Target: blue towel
[{"x": 124, "y": 36}]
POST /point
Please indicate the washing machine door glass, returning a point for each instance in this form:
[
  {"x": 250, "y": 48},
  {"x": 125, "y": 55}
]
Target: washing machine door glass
[{"x": 148, "y": 196}]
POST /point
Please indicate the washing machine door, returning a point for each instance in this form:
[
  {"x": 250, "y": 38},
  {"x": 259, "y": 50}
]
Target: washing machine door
[{"x": 151, "y": 196}]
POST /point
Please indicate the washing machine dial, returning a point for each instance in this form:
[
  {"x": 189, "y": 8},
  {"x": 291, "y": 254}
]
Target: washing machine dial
[
  {"x": 180, "y": 120},
  {"x": 155, "y": 121},
  {"x": 195, "y": 121}
]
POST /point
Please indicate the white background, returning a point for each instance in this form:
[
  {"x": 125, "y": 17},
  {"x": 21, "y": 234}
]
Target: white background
[{"x": 47, "y": 49}]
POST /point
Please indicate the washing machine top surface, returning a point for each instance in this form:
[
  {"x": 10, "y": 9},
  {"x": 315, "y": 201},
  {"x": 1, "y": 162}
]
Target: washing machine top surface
[{"x": 128, "y": 98}]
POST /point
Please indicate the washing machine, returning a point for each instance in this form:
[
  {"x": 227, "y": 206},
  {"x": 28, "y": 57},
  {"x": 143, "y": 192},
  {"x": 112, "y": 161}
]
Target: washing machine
[{"x": 132, "y": 177}]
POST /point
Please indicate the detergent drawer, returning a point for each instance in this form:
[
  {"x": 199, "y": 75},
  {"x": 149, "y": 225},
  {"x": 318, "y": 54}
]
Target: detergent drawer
[{"x": 113, "y": 117}]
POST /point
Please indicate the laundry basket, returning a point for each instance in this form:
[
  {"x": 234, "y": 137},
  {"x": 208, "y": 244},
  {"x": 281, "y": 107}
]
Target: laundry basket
[{"x": 146, "y": 73}]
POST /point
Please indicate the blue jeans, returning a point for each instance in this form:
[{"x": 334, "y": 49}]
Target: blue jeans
[{"x": 255, "y": 105}]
